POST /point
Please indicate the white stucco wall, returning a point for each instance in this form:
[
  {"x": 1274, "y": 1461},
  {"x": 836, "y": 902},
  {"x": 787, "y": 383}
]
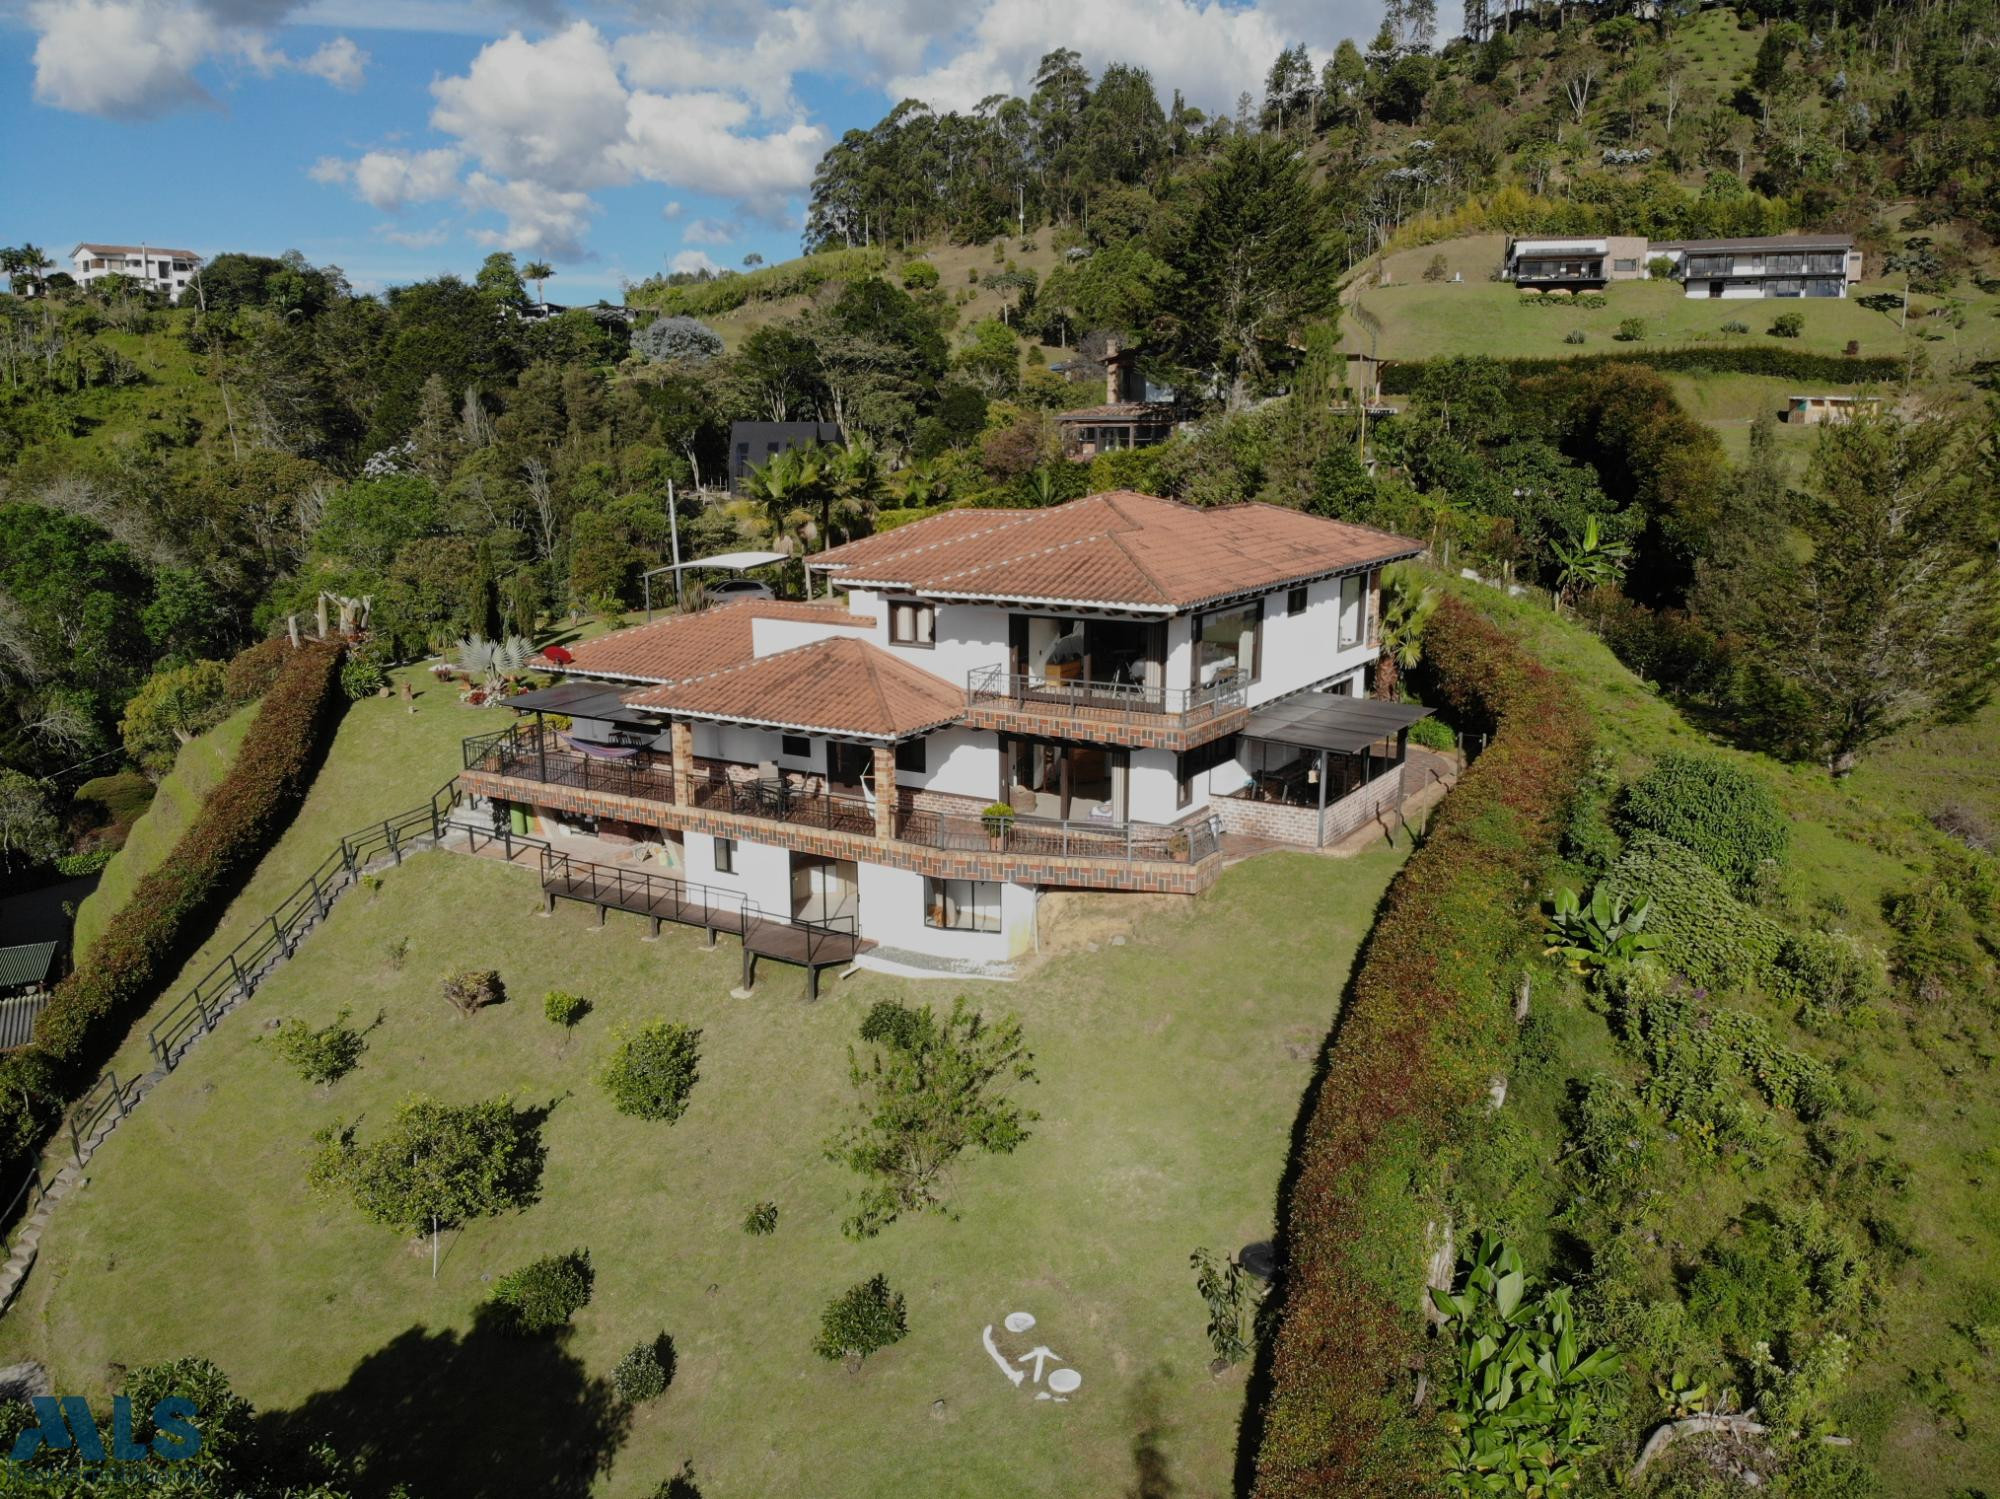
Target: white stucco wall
[
  {"x": 892, "y": 913},
  {"x": 960, "y": 762},
  {"x": 1152, "y": 788},
  {"x": 769, "y": 636},
  {"x": 1301, "y": 650}
]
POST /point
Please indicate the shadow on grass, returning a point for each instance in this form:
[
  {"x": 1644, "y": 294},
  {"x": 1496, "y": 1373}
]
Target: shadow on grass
[
  {"x": 482, "y": 1413},
  {"x": 1257, "y": 1386},
  {"x": 1152, "y": 1477}
]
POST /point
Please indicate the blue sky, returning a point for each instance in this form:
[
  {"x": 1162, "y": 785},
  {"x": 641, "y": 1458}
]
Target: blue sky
[{"x": 398, "y": 140}]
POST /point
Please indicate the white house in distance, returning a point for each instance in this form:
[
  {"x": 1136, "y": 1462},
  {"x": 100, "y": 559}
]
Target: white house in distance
[
  {"x": 1090, "y": 696},
  {"x": 153, "y": 266},
  {"x": 1770, "y": 265}
]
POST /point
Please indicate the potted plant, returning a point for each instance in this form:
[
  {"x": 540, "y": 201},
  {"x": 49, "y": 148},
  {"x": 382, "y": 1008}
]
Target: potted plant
[{"x": 999, "y": 817}]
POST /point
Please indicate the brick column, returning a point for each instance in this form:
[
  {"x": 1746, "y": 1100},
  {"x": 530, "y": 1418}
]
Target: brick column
[
  {"x": 885, "y": 791},
  {"x": 683, "y": 763}
]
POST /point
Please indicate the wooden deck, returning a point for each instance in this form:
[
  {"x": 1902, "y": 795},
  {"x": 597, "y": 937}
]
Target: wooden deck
[{"x": 661, "y": 898}]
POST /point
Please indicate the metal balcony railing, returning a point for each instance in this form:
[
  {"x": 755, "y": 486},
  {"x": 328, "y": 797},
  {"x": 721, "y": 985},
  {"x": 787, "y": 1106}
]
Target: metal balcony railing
[{"x": 1127, "y": 702}]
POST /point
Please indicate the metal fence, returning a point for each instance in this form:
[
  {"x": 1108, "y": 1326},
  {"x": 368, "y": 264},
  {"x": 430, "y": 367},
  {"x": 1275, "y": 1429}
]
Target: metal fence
[{"x": 1129, "y": 702}]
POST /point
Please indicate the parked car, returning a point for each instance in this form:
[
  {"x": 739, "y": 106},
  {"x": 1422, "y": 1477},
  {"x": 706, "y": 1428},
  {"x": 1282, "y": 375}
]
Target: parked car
[{"x": 725, "y": 589}]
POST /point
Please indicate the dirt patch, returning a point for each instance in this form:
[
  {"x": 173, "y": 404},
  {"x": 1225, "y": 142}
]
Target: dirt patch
[{"x": 1071, "y": 920}]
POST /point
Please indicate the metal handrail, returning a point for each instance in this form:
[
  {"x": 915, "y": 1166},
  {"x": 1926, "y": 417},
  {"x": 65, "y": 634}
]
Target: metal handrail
[
  {"x": 1131, "y": 700},
  {"x": 540, "y": 755},
  {"x": 562, "y": 867}
]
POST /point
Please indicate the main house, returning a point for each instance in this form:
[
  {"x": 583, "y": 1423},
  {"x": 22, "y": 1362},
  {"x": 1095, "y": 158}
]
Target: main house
[
  {"x": 1772, "y": 265},
  {"x": 1003, "y": 702},
  {"x": 153, "y": 267}
]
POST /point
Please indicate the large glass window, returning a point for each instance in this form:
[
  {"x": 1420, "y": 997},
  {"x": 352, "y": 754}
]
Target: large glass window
[
  {"x": 1225, "y": 645},
  {"x": 1353, "y": 599},
  {"x": 962, "y": 905}
]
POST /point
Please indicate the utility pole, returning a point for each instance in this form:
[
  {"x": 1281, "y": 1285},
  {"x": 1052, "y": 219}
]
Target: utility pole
[
  {"x": 1021, "y": 210},
  {"x": 674, "y": 534}
]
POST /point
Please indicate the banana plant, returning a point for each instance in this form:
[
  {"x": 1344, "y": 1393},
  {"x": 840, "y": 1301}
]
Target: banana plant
[
  {"x": 1524, "y": 1407},
  {"x": 1606, "y": 935},
  {"x": 1588, "y": 562}
]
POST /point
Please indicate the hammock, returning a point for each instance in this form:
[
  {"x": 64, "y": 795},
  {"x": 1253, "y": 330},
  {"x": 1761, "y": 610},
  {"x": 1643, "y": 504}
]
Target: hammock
[{"x": 600, "y": 751}]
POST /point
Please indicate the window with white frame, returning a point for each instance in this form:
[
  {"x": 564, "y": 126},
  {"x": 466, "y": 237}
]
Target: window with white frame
[
  {"x": 962, "y": 905},
  {"x": 911, "y": 623},
  {"x": 1353, "y": 602}
]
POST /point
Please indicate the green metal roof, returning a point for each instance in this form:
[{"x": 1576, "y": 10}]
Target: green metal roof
[{"x": 29, "y": 964}]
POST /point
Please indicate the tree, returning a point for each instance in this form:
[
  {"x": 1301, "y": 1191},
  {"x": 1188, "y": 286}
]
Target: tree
[
  {"x": 436, "y": 1166},
  {"x": 864, "y": 1318},
  {"x": 30, "y": 832},
  {"x": 173, "y": 706},
  {"x": 1883, "y": 610},
  {"x": 666, "y": 339},
  {"x": 1407, "y": 605},
  {"x": 1588, "y": 561},
  {"x": 483, "y": 595},
  {"x": 1256, "y": 263},
  {"x": 930, "y": 1090},
  {"x": 499, "y": 281},
  {"x": 652, "y": 1073},
  {"x": 539, "y": 272}
]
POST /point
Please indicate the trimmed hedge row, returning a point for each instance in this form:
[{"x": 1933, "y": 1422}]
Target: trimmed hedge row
[
  {"x": 1402, "y": 379},
  {"x": 1427, "y": 1024},
  {"x": 150, "y": 935}
]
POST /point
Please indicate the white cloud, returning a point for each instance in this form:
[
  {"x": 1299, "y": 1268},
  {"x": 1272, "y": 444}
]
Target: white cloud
[
  {"x": 671, "y": 210},
  {"x": 551, "y": 110},
  {"x": 414, "y": 239},
  {"x": 695, "y": 141},
  {"x": 391, "y": 180},
  {"x": 135, "y": 59},
  {"x": 545, "y": 220},
  {"x": 708, "y": 232},
  {"x": 125, "y": 59},
  {"x": 693, "y": 260},
  {"x": 339, "y": 62}
]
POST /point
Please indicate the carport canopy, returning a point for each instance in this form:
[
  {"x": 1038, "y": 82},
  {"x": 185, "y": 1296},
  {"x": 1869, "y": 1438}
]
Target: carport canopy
[
  {"x": 736, "y": 562},
  {"x": 1331, "y": 722}
]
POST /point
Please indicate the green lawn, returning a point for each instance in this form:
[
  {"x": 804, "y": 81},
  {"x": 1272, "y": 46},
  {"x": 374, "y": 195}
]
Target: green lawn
[
  {"x": 1171, "y": 1069},
  {"x": 1431, "y": 319},
  {"x": 196, "y": 769}
]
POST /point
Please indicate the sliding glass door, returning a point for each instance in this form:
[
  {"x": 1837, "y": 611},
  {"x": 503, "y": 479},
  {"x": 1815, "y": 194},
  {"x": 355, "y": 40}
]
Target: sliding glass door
[{"x": 1074, "y": 782}]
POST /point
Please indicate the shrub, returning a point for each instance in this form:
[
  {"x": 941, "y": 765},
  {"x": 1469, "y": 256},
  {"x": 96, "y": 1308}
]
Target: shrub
[
  {"x": 1713, "y": 806},
  {"x": 1402, "y": 379},
  {"x": 1433, "y": 733},
  {"x": 253, "y": 672},
  {"x": 761, "y": 1219},
  {"x": 325, "y": 1055},
  {"x": 676, "y": 338},
  {"x": 1438, "y": 269},
  {"x": 1705, "y": 931},
  {"x": 362, "y": 677},
  {"x": 1788, "y": 325},
  {"x": 145, "y": 942},
  {"x": 1660, "y": 268},
  {"x": 174, "y": 705},
  {"x": 473, "y": 990},
  {"x": 564, "y": 1009},
  {"x": 1574, "y": 336},
  {"x": 651, "y": 1074},
  {"x": 864, "y": 1318},
  {"x": 920, "y": 275},
  {"x": 1828, "y": 975},
  {"x": 1631, "y": 330},
  {"x": 1420, "y": 1039},
  {"x": 547, "y": 1292},
  {"x": 70, "y": 866},
  {"x": 1736, "y": 325},
  {"x": 645, "y": 1371}
]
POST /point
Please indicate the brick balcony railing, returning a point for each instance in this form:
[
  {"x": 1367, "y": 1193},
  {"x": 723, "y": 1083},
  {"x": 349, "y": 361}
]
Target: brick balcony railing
[{"x": 1123, "y": 713}]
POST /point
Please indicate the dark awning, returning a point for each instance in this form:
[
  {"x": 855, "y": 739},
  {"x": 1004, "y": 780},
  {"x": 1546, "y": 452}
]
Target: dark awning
[
  {"x": 1328, "y": 721},
  {"x": 582, "y": 700}
]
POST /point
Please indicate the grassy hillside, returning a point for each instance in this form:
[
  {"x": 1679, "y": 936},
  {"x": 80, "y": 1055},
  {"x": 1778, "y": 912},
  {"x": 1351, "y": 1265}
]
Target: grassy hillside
[
  {"x": 196, "y": 769},
  {"x": 1901, "y": 1166}
]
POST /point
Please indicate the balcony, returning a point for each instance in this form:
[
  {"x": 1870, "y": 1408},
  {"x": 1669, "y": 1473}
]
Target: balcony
[
  {"x": 933, "y": 841},
  {"x": 1125, "y": 713}
]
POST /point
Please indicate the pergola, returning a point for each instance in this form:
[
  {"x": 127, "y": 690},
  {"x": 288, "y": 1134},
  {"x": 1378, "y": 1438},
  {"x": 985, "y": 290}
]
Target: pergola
[{"x": 1286, "y": 746}]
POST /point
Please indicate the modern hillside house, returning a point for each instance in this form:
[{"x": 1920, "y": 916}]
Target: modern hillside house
[
  {"x": 1776, "y": 265},
  {"x": 155, "y": 268},
  {"x": 1773, "y": 265},
  {"x": 1574, "y": 264},
  {"x": 1001, "y": 702}
]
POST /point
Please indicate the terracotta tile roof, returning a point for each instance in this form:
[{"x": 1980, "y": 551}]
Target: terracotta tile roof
[
  {"x": 842, "y": 685},
  {"x": 1120, "y": 411},
  {"x": 683, "y": 646},
  {"x": 1118, "y": 549},
  {"x": 931, "y": 530}
]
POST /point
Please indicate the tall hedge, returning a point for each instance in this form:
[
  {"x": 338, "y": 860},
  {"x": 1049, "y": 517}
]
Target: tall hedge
[
  {"x": 172, "y": 907},
  {"x": 1427, "y": 1024},
  {"x": 1401, "y": 379}
]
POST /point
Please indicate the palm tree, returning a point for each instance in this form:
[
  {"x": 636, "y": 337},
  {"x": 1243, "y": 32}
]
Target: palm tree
[
  {"x": 853, "y": 486},
  {"x": 27, "y": 266},
  {"x": 538, "y": 271},
  {"x": 921, "y": 484},
  {"x": 1407, "y": 606},
  {"x": 1591, "y": 562},
  {"x": 784, "y": 486}
]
